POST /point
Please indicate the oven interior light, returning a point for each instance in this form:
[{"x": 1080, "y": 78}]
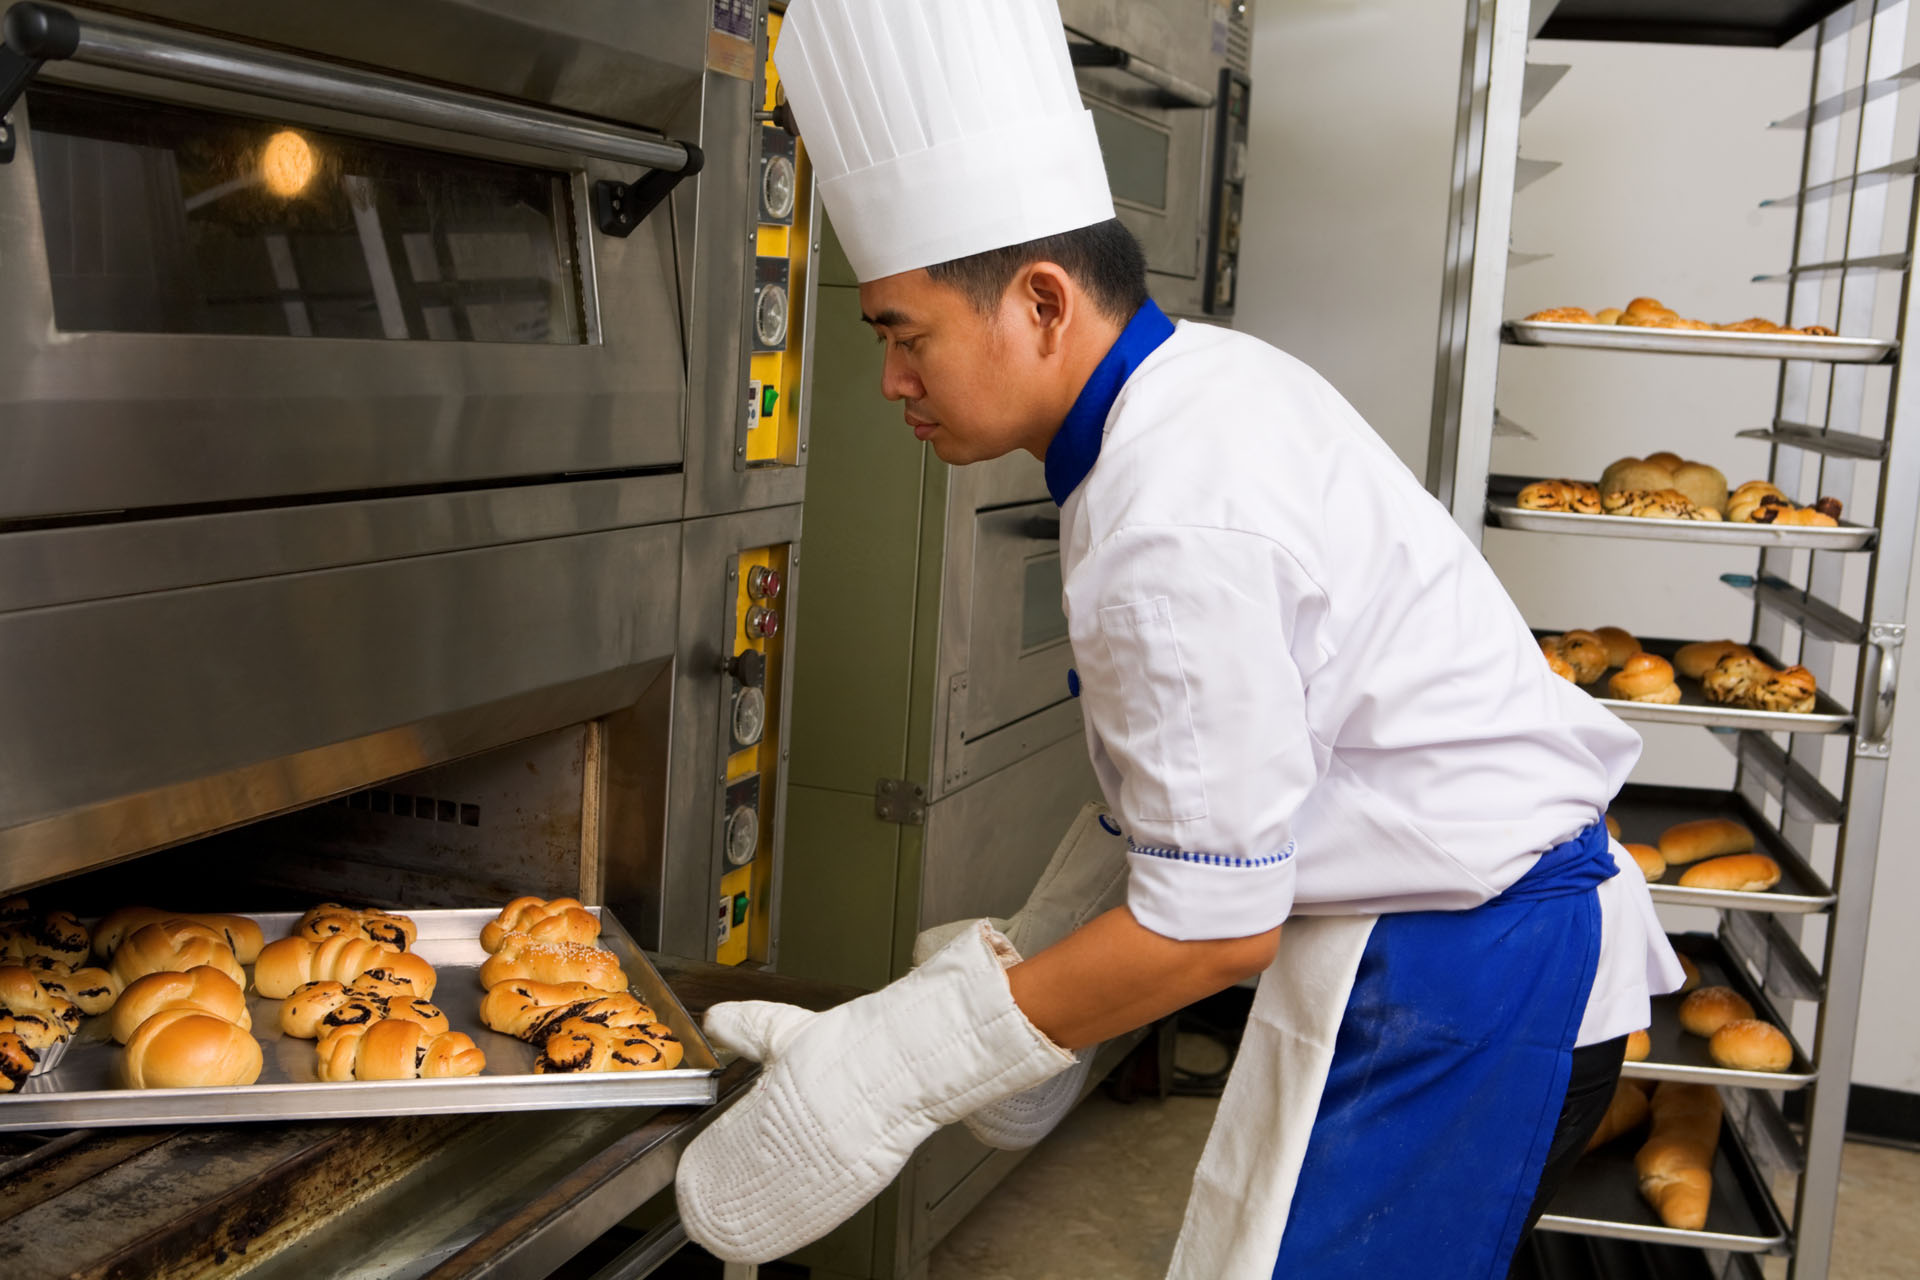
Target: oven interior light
[{"x": 287, "y": 163}]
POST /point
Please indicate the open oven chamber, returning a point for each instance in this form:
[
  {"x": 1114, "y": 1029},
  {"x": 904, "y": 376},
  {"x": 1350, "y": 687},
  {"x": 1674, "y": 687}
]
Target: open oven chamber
[{"x": 414, "y": 548}]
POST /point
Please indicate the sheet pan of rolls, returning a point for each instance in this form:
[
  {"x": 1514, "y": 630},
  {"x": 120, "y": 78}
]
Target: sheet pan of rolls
[
  {"x": 1507, "y": 509},
  {"x": 1681, "y": 1044},
  {"x": 151, "y": 1015},
  {"x": 1673, "y": 682},
  {"x": 1646, "y": 324},
  {"x": 1769, "y": 876}
]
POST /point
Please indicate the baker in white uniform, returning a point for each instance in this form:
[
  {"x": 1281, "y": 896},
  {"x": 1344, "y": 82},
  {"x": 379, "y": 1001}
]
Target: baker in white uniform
[{"x": 1331, "y": 750}]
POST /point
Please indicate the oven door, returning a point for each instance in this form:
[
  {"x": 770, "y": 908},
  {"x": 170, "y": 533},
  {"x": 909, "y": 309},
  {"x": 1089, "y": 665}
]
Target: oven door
[
  {"x": 217, "y": 297},
  {"x": 1018, "y": 650}
]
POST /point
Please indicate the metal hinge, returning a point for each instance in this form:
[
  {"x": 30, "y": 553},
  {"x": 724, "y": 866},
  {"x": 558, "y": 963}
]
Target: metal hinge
[
  {"x": 955, "y": 769},
  {"x": 901, "y": 801}
]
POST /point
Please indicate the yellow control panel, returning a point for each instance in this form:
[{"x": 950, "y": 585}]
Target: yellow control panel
[
  {"x": 778, "y": 322},
  {"x": 742, "y": 932}
]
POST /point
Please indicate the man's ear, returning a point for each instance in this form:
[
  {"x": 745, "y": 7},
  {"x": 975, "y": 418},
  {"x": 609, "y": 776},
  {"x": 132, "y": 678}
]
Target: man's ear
[{"x": 1048, "y": 297}]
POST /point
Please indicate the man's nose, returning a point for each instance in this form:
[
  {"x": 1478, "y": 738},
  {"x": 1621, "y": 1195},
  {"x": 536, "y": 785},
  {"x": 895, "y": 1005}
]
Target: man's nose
[{"x": 897, "y": 382}]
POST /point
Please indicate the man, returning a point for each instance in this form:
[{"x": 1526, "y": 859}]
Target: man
[{"x": 1308, "y": 701}]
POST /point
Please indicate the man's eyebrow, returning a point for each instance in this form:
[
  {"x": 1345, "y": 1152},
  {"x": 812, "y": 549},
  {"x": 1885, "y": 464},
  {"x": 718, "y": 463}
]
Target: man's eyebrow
[{"x": 889, "y": 318}]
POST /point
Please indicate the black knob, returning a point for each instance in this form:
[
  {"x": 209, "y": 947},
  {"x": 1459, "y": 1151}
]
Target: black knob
[{"x": 749, "y": 667}]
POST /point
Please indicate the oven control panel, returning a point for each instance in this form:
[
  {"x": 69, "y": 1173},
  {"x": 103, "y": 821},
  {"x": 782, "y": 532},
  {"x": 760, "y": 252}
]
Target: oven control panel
[
  {"x": 751, "y": 726},
  {"x": 776, "y": 323}
]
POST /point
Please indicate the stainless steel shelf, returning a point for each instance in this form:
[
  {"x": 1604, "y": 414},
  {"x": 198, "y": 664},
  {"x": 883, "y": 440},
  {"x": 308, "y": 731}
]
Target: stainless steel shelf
[
  {"x": 1540, "y": 80},
  {"x": 1834, "y": 444},
  {"x": 1855, "y": 182},
  {"x": 1554, "y": 1255},
  {"x": 1644, "y": 811},
  {"x": 1790, "y": 781},
  {"x": 1878, "y": 262},
  {"x": 1693, "y": 708},
  {"x": 1841, "y": 103},
  {"x": 1680, "y": 1055},
  {"x": 1527, "y": 172},
  {"x": 1700, "y": 342},
  {"x": 1808, "y": 612},
  {"x": 1502, "y": 492}
]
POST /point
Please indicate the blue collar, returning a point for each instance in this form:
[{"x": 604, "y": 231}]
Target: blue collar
[{"x": 1076, "y": 446}]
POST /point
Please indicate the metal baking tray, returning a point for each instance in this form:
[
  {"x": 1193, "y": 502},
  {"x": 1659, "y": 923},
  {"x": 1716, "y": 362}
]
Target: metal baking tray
[
  {"x": 1601, "y": 1197},
  {"x": 84, "y": 1091},
  {"x": 1700, "y": 342},
  {"x": 1644, "y": 811},
  {"x": 1693, "y": 708},
  {"x": 1503, "y": 491},
  {"x": 1681, "y": 1055}
]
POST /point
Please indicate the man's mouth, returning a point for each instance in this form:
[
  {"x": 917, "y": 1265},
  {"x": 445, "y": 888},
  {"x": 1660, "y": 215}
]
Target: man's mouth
[{"x": 921, "y": 427}]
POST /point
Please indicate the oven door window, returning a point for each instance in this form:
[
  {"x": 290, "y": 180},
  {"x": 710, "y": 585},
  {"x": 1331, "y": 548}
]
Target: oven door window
[
  {"x": 1136, "y": 154},
  {"x": 165, "y": 219}
]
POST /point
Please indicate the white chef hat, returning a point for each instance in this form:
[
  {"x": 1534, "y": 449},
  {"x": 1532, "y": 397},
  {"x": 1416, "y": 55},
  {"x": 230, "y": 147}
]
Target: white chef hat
[{"x": 940, "y": 128}]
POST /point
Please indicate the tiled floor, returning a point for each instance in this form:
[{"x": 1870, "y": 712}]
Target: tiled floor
[{"x": 1103, "y": 1197}]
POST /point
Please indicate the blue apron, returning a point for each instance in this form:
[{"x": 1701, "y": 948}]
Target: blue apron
[{"x": 1448, "y": 1075}]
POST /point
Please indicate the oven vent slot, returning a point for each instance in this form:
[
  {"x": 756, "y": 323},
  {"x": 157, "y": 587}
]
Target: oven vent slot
[{"x": 401, "y": 805}]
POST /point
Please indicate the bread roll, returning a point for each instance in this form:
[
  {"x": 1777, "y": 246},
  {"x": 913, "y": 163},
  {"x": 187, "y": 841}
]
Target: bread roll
[
  {"x": 38, "y": 1031},
  {"x": 1613, "y": 826},
  {"x": 1626, "y": 1112},
  {"x": 1676, "y": 1164},
  {"x": 1645, "y": 678},
  {"x": 392, "y": 1049},
  {"x": 22, "y": 992},
  {"x": 1741, "y": 872},
  {"x": 92, "y": 988},
  {"x": 331, "y": 920},
  {"x": 1561, "y": 315},
  {"x": 1695, "y": 660},
  {"x": 1736, "y": 680},
  {"x": 56, "y": 936},
  {"x": 242, "y": 935},
  {"x": 17, "y": 1062},
  {"x": 1559, "y": 665},
  {"x": 1703, "y": 485},
  {"x": 517, "y": 1009},
  {"x": 1639, "y": 1045},
  {"x": 1648, "y": 859},
  {"x": 1620, "y": 645},
  {"x": 294, "y": 962},
  {"x": 1686, "y": 842},
  {"x": 522, "y": 957},
  {"x": 1607, "y": 315},
  {"x": 204, "y": 988},
  {"x": 173, "y": 946},
  {"x": 1691, "y": 972},
  {"x": 1586, "y": 653},
  {"x": 577, "y": 1046},
  {"x": 1708, "y": 1009},
  {"x": 543, "y": 920},
  {"x": 1791, "y": 691},
  {"x": 188, "y": 1049},
  {"x": 322, "y": 1007},
  {"x": 1747, "y": 1044}
]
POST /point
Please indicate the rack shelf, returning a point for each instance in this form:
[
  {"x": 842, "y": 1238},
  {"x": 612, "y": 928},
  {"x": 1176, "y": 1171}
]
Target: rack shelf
[
  {"x": 1694, "y": 708},
  {"x": 1700, "y": 342},
  {"x": 1504, "y": 511},
  {"x": 1680, "y": 1055},
  {"x": 1644, "y": 811}
]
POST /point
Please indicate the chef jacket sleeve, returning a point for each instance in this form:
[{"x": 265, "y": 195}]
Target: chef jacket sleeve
[{"x": 1196, "y": 716}]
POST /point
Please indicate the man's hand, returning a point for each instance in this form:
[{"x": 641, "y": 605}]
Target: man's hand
[{"x": 848, "y": 1094}]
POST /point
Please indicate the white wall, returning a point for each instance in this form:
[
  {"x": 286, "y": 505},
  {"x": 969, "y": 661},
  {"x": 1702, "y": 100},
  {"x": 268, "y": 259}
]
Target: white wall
[{"x": 1666, "y": 160}]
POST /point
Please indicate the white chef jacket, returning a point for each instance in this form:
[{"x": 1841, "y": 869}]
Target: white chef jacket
[{"x": 1305, "y": 690}]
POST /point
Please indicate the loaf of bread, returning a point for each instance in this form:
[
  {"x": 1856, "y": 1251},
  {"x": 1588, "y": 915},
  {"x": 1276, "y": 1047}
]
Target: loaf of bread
[
  {"x": 1627, "y": 475},
  {"x": 1620, "y": 644},
  {"x": 1708, "y": 1009},
  {"x": 1691, "y": 972},
  {"x": 1740, "y": 872},
  {"x": 521, "y": 957},
  {"x": 243, "y": 936},
  {"x": 55, "y": 936},
  {"x": 1648, "y": 859},
  {"x": 1645, "y": 678},
  {"x": 1639, "y": 1045},
  {"x": 294, "y": 962},
  {"x": 1627, "y": 1111},
  {"x": 205, "y": 988},
  {"x": 577, "y": 1046},
  {"x": 320, "y": 1007},
  {"x": 1695, "y": 660},
  {"x": 1748, "y": 1044},
  {"x": 92, "y": 988},
  {"x": 1676, "y": 1164},
  {"x": 189, "y": 1049},
  {"x": 331, "y": 920},
  {"x": 1686, "y": 842},
  {"x": 1704, "y": 486},
  {"x": 173, "y": 946},
  {"x": 543, "y": 920},
  {"x": 392, "y": 1049},
  {"x": 22, "y": 992}
]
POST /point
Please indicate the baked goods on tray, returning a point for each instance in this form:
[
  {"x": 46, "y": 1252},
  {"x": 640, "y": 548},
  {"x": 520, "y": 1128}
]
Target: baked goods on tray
[
  {"x": 1627, "y": 1112},
  {"x": 1708, "y": 1009},
  {"x": 543, "y": 920},
  {"x": 1651, "y": 313},
  {"x": 1739, "y": 678},
  {"x": 1646, "y": 677},
  {"x": 1676, "y": 1164},
  {"x": 331, "y": 920},
  {"x": 391, "y": 1049},
  {"x": 294, "y": 962},
  {"x": 1685, "y": 842},
  {"x": 1665, "y": 486},
  {"x": 243, "y": 936},
  {"x": 1647, "y": 858},
  {"x": 320, "y": 1007},
  {"x": 1576, "y": 496},
  {"x": 1760, "y": 502},
  {"x": 522, "y": 957},
  {"x": 578, "y": 1046},
  {"x": 204, "y": 988},
  {"x": 186, "y": 1048},
  {"x": 1748, "y": 1044},
  {"x": 173, "y": 946},
  {"x": 1737, "y": 872}
]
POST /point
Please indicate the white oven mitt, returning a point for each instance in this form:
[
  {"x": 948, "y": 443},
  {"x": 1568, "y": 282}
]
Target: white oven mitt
[
  {"x": 1087, "y": 877},
  {"x": 848, "y": 1094}
]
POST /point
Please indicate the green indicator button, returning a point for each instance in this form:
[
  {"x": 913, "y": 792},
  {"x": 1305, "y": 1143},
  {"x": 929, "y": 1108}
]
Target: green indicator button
[
  {"x": 739, "y": 909},
  {"x": 769, "y": 396}
]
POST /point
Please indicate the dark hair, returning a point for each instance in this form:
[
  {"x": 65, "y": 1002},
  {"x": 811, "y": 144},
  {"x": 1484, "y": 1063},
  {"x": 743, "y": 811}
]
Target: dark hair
[{"x": 1104, "y": 259}]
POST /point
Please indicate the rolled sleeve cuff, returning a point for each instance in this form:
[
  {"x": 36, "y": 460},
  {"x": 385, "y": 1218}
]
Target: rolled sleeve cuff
[{"x": 1191, "y": 896}]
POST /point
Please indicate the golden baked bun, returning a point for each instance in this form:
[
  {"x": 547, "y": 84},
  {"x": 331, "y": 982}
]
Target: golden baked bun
[
  {"x": 1639, "y": 1045},
  {"x": 294, "y": 962},
  {"x": 1648, "y": 859},
  {"x": 543, "y": 920},
  {"x": 1560, "y": 495},
  {"x": 92, "y": 988},
  {"x": 1613, "y": 825},
  {"x": 1665, "y": 458},
  {"x": 523, "y": 1010},
  {"x": 1740, "y": 872},
  {"x": 1692, "y": 972},
  {"x": 22, "y": 992},
  {"x": 392, "y": 1049},
  {"x": 1620, "y": 644},
  {"x": 17, "y": 1061},
  {"x": 1560, "y": 667},
  {"x": 1736, "y": 679},
  {"x": 1627, "y": 1112},
  {"x": 331, "y": 920},
  {"x": 1607, "y": 315},
  {"x": 1705, "y": 486},
  {"x": 522, "y": 957},
  {"x": 1561, "y": 315},
  {"x": 188, "y": 1049},
  {"x": 1654, "y": 504},
  {"x": 1747, "y": 1044},
  {"x": 1695, "y": 660},
  {"x": 1791, "y": 690},
  {"x": 1685, "y": 842},
  {"x": 1708, "y": 1009},
  {"x": 1586, "y": 653},
  {"x": 1646, "y": 677},
  {"x": 173, "y": 946},
  {"x": 577, "y": 1046},
  {"x": 1675, "y": 1165},
  {"x": 57, "y": 937},
  {"x": 204, "y": 988},
  {"x": 38, "y": 1031},
  {"x": 242, "y": 935},
  {"x": 1634, "y": 473}
]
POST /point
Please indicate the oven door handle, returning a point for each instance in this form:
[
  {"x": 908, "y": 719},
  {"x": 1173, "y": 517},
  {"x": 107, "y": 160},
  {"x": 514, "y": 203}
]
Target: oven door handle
[
  {"x": 40, "y": 33},
  {"x": 1179, "y": 91}
]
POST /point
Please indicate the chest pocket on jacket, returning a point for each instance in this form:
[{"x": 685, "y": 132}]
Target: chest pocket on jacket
[{"x": 1156, "y": 749}]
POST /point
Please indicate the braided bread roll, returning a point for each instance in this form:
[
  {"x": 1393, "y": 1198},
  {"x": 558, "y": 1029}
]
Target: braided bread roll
[
  {"x": 528, "y": 1010},
  {"x": 521, "y": 956},
  {"x": 189, "y": 1049},
  {"x": 321, "y": 1007},
  {"x": 242, "y": 936},
  {"x": 1646, "y": 677},
  {"x": 396, "y": 1050},
  {"x": 331, "y": 920},
  {"x": 17, "y": 1062},
  {"x": 57, "y": 936},
  {"x": 294, "y": 962},
  {"x": 1676, "y": 1164},
  {"x": 38, "y": 1031},
  {"x": 543, "y": 920},
  {"x": 1695, "y": 660},
  {"x": 22, "y": 992},
  {"x": 205, "y": 988},
  {"x": 173, "y": 946},
  {"x": 578, "y": 1047},
  {"x": 92, "y": 988}
]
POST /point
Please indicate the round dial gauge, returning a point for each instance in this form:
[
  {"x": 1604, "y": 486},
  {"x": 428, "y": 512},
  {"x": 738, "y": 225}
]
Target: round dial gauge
[
  {"x": 770, "y": 316},
  {"x": 743, "y": 835},
  {"x": 749, "y": 716},
  {"x": 776, "y": 188}
]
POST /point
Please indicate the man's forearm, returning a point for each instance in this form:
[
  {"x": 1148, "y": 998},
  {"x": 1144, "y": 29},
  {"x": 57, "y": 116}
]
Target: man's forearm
[{"x": 1115, "y": 974}]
